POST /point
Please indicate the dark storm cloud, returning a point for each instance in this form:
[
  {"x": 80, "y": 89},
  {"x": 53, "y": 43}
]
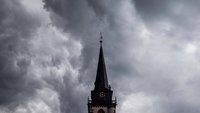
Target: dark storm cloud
[
  {"x": 149, "y": 57},
  {"x": 153, "y": 8},
  {"x": 77, "y": 20},
  {"x": 17, "y": 26},
  {"x": 99, "y": 7},
  {"x": 83, "y": 19},
  {"x": 144, "y": 55},
  {"x": 178, "y": 13},
  {"x": 156, "y": 8}
]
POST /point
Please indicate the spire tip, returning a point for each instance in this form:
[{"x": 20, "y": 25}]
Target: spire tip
[{"x": 101, "y": 39}]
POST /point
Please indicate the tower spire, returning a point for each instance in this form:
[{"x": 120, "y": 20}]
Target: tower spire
[{"x": 101, "y": 82}]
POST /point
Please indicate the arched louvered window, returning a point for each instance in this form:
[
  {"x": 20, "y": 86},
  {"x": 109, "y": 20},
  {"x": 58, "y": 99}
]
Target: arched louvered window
[{"x": 101, "y": 111}]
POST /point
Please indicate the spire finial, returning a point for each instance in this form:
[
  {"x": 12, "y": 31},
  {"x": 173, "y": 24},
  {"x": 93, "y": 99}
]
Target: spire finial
[{"x": 101, "y": 39}]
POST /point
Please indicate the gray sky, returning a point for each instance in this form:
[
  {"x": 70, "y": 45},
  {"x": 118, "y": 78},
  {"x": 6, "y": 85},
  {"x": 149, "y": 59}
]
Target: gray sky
[{"x": 49, "y": 52}]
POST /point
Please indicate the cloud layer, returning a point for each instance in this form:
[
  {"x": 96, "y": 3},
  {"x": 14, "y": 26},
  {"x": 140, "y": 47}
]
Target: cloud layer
[
  {"x": 49, "y": 52},
  {"x": 16, "y": 28}
]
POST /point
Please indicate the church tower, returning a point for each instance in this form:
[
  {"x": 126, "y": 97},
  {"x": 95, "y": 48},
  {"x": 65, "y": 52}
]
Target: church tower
[{"x": 101, "y": 97}]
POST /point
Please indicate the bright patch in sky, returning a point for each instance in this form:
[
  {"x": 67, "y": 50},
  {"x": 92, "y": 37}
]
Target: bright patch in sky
[
  {"x": 190, "y": 49},
  {"x": 137, "y": 103}
]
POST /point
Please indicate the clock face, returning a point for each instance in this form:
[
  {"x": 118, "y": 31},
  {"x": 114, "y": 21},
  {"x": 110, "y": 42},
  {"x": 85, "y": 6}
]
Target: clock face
[{"x": 102, "y": 94}]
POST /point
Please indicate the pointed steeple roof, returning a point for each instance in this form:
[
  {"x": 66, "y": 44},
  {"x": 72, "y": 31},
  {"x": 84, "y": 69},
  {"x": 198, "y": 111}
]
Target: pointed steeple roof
[{"x": 101, "y": 82}]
